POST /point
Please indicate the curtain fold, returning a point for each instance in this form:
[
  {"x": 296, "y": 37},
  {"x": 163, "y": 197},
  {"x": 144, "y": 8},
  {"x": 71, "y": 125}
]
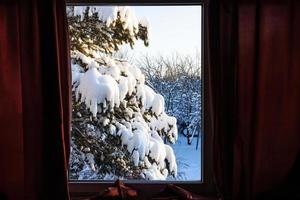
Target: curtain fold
[
  {"x": 220, "y": 31},
  {"x": 34, "y": 99},
  {"x": 254, "y": 58}
]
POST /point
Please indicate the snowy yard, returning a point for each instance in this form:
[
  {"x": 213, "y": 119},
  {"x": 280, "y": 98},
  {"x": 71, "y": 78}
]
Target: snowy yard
[{"x": 188, "y": 159}]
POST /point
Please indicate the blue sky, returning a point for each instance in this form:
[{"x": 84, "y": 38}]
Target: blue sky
[{"x": 172, "y": 28}]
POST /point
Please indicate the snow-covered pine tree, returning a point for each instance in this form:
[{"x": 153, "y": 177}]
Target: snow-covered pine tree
[{"x": 119, "y": 123}]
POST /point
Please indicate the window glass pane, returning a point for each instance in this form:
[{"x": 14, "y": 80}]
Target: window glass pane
[{"x": 136, "y": 92}]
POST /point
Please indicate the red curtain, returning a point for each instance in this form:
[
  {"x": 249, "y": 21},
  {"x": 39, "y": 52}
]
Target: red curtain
[
  {"x": 34, "y": 99},
  {"x": 254, "y": 64}
]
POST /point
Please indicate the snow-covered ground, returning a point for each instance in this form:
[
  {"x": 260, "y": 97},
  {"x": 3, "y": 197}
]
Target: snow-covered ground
[
  {"x": 188, "y": 159},
  {"x": 184, "y": 103}
]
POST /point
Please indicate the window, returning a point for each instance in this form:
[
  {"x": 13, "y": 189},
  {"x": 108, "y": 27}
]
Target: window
[{"x": 137, "y": 95}]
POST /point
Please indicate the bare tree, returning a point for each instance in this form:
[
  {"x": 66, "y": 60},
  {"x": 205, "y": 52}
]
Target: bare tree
[{"x": 178, "y": 79}]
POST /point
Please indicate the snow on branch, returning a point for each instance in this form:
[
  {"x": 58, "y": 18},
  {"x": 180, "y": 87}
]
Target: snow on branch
[
  {"x": 116, "y": 95},
  {"x": 110, "y": 14}
]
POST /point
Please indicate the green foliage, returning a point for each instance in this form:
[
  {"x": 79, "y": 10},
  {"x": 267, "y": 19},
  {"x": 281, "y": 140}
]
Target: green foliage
[
  {"x": 89, "y": 136},
  {"x": 91, "y": 34}
]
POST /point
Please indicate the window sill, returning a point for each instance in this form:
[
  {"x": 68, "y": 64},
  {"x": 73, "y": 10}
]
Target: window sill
[{"x": 79, "y": 190}]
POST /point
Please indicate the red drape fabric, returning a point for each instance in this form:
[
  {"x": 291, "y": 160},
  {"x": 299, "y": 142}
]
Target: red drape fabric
[
  {"x": 269, "y": 60},
  {"x": 34, "y": 99},
  {"x": 254, "y": 65},
  {"x": 220, "y": 87}
]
